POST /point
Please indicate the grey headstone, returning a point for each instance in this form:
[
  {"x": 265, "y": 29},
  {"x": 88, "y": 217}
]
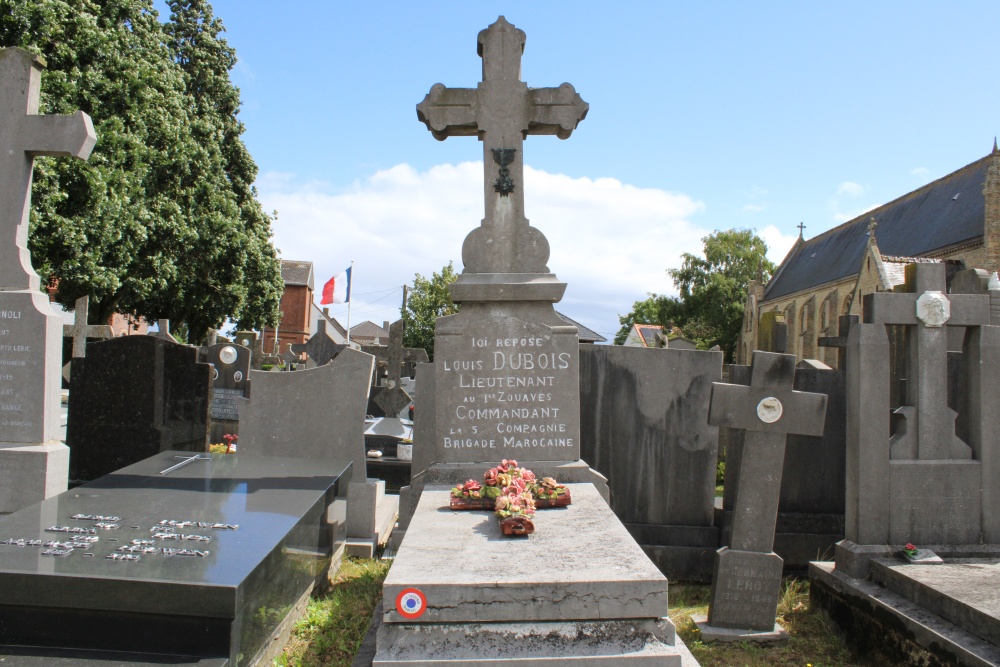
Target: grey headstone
[
  {"x": 929, "y": 432},
  {"x": 840, "y": 340},
  {"x": 644, "y": 426},
  {"x": 767, "y": 410},
  {"x": 30, "y": 329},
  {"x": 943, "y": 490},
  {"x": 320, "y": 348},
  {"x": 394, "y": 398},
  {"x": 316, "y": 413}
]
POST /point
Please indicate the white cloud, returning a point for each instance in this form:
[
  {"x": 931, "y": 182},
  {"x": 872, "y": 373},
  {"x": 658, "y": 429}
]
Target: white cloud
[
  {"x": 921, "y": 172},
  {"x": 850, "y": 189},
  {"x": 778, "y": 244},
  {"x": 754, "y": 208},
  {"x": 610, "y": 241},
  {"x": 850, "y": 215}
]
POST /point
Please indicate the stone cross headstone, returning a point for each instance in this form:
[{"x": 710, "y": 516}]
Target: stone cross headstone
[
  {"x": 839, "y": 341},
  {"x": 290, "y": 358},
  {"x": 33, "y": 465},
  {"x": 80, "y": 331},
  {"x": 393, "y": 398},
  {"x": 501, "y": 111},
  {"x": 747, "y": 576},
  {"x": 321, "y": 349},
  {"x": 927, "y": 310},
  {"x": 164, "y": 331},
  {"x": 922, "y": 484}
]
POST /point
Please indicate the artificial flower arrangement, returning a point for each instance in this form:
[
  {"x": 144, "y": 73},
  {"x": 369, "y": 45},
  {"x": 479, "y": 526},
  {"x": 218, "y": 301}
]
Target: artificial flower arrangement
[
  {"x": 513, "y": 493},
  {"x": 228, "y": 448}
]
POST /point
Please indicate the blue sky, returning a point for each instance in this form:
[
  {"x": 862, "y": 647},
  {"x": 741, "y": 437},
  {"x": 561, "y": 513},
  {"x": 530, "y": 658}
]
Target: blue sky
[{"x": 703, "y": 116}]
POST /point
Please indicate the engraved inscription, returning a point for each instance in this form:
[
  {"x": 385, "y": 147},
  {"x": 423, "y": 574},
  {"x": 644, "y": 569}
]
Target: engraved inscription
[
  {"x": 20, "y": 356},
  {"x": 224, "y": 403},
  {"x": 507, "y": 395}
]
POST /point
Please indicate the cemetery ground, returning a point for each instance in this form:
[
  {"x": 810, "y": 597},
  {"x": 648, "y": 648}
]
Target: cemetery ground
[{"x": 337, "y": 619}]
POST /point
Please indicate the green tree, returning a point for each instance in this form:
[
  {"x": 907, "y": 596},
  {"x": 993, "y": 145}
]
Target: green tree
[
  {"x": 194, "y": 38},
  {"x": 429, "y": 299},
  {"x": 713, "y": 291},
  {"x": 151, "y": 225}
]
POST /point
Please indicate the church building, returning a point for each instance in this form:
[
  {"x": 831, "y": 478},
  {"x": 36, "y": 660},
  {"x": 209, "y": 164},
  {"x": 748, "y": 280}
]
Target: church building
[{"x": 954, "y": 220}]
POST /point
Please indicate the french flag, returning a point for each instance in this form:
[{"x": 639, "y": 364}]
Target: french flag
[{"x": 337, "y": 289}]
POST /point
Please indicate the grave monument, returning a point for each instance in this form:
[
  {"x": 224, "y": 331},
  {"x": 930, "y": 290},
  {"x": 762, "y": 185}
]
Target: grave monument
[
  {"x": 922, "y": 485},
  {"x": 33, "y": 464},
  {"x": 746, "y": 582},
  {"x": 80, "y": 331},
  {"x": 230, "y": 375},
  {"x": 505, "y": 385}
]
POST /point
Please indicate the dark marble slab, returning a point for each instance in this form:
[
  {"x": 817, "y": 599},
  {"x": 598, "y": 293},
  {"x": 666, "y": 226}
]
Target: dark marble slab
[
  {"x": 13, "y": 656},
  {"x": 132, "y": 397},
  {"x": 223, "y": 604}
]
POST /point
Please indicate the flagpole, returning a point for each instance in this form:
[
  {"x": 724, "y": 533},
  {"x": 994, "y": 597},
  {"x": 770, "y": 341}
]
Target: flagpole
[{"x": 350, "y": 284}]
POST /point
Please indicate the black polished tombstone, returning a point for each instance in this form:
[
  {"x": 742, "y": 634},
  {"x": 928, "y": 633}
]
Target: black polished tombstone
[
  {"x": 231, "y": 370},
  {"x": 133, "y": 397},
  {"x": 250, "y": 537}
]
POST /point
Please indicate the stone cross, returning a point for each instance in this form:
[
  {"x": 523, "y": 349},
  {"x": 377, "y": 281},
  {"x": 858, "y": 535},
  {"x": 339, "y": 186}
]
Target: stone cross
[
  {"x": 394, "y": 398},
  {"x": 164, "y": 331},
  {"x": 80, "y": 331},
  {"x": 767, "y": 410},
  {"x": 926, "y": 311},
  {"x": 320, "y": 348},
  {"x": 502, "y": 111},
  {"x": 290, "y": 357},
  {"x": 23, "y": 135},
  {"x": 840, "y": 340}
]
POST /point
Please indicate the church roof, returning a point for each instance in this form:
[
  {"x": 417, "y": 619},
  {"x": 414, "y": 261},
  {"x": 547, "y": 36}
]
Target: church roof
[
  {"x": 586, "y": 334},
  {"x": 944, "y": 213},
  {"x": 295, "y": 272}
]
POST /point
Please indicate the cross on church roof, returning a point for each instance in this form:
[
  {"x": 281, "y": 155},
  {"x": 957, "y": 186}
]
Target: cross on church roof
[
  {"x": 23, "y": 135},
  {"x": 80, "y": 331},
  {"x": 801, "y": 227},
  {"x": 502, "y": 111}
]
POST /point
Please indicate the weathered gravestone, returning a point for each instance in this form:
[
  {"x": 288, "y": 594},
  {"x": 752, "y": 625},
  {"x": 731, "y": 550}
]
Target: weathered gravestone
[
  {"x": 644, "y": 425},
  {"x": 33, "y": 464},
  {"x": 505, "y": 385},
  {"x": 163, "y": 331},
  {"x": 319, "y": 413},
  {"x": 321, "y": 349},
  {"x": 159, "y": 564},
  {"x": 811, "y": 503},
  {"x": 747, "y": 579},
  {"x": 921, "y": 485},
  {"x": 839, "y": 342},
  {"x": 230, "y": 375},
  {"x": 132, "y": 397}
]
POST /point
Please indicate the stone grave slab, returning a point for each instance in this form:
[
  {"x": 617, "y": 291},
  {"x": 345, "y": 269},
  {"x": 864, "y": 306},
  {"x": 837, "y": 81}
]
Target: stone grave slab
[
  {"x": 538, "y": 590},
  {"x": 961, "y": 591},
  {"x": 249, "y": 538},
  {"x": 604, "y": 576},
  {"x": 132, "y": 397}
]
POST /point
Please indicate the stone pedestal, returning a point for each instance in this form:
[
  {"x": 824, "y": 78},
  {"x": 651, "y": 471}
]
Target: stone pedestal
[{"x": 33, "y": 464}]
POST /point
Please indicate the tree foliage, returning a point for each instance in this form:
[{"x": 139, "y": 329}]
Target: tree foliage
[
  {"x": 429, "y": 299},
  {"x": 712, "y": 291},
  {"x": 162, "y": 221}
]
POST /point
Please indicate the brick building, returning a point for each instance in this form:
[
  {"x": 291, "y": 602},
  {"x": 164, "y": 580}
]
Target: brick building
[
  {"x": 300, "y": 316},
  {"x": 955, "y": 220}
]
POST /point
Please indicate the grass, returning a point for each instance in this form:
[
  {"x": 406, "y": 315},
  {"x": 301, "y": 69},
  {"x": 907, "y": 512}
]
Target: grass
[
  {"x": 336, "y": 621},
  {"x": 811, "y": 642}
]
